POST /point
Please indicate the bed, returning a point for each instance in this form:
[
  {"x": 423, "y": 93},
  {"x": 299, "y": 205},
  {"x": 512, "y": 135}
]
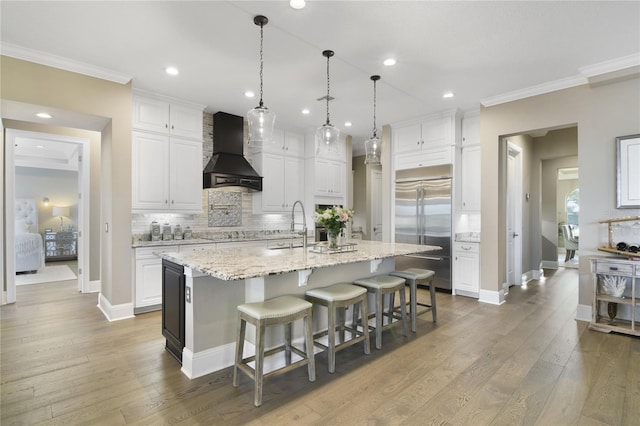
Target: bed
[{"x": 29, "y": 248}]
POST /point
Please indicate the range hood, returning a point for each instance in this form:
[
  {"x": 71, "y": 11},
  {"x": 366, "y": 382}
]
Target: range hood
[{"x": 227, "y": 166}]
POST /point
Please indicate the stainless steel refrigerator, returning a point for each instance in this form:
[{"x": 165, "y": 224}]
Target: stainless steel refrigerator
[{"x": 423, "y": 216}]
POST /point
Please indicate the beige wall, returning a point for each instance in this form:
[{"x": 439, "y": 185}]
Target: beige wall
[
  {"x": 35, "y": 84},
  {"x": 601, "y": 113},
  {"x": 94, "y": 218}
]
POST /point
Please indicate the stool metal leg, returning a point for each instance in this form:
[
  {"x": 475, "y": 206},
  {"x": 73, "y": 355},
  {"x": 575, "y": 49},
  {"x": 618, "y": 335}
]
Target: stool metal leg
[
  {"x": 403, "y": 310},
  {"x": 331, "y": 351},
  {"x": 365, "y": 329},
  {"x": 287, "y": 343},
  {"x": 413, "y": 297},
  {"x": 379, "y": 311},
  {"x": 432, "y": 292}
]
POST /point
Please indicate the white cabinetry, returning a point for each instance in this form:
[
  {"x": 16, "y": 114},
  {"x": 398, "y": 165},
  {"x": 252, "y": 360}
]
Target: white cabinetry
[
  {"x": 167, "y": 156},
  {"x": 426, "y": 143},
  {"x": 148, "y": 278},
  {"x": 282, "y": 169},
  {"x": 466, "y": 269},
  {"x": 470, "y": 164},
  {"x": 471, "y": 130},
  {"x": 329, "y": 178}
]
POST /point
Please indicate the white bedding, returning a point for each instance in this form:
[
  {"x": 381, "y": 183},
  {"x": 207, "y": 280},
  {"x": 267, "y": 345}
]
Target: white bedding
[{"x": 29, "y": 249}]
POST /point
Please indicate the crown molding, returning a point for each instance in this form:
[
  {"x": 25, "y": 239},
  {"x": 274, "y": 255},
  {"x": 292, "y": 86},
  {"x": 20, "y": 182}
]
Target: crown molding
[
  {"x": 596, "y": 73},
  {"x": 43, "y": 58}
]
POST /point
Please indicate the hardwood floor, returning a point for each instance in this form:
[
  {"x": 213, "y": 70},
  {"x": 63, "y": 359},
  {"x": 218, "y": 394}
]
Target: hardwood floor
[{"x": 525, "y": 362}]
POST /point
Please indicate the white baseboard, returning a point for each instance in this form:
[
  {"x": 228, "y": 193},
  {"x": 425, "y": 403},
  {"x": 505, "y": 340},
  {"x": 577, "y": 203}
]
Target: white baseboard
[
  {"x": 204, "y": 362},
  {"x": 4, "y": 297},
  {"x": 94, "y": 286},
  {"x": 532, "y": 275},
  {"x": 117, "y": 312},
  {"x": 583, "y": 313},
  {"x": 549, "y": 264},
  {"x": 492, "y": 297}
]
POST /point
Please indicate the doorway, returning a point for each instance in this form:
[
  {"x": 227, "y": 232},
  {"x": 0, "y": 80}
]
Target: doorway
[
  {"x": 77, "y": 159},
  {"x": 568, "y": 214},
  {"x": 514, "y": 215}
]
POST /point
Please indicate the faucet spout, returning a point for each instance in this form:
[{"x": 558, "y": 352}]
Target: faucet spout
[{"x": 304, "y": 223}]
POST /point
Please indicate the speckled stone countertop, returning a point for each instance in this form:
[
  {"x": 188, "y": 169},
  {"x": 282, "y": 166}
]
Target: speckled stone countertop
[
  {"x": 216, "y": 238},
  {"x": 238, "y": 263}
]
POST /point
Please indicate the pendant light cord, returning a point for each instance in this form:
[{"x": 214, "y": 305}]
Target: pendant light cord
[
  {"x": 374, "y": 110},
  {"x": 261, "y": 62},
  {"x": 328, "y": 82}
]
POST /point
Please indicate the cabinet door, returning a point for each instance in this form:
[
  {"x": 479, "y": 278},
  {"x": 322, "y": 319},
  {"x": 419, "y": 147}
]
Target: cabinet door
[
  {"x": 276, "y": 146},
  {"x": 185, "y": 175},
  {"x": 293, "y": 182},
  {"x": 437, "y": 132},
  {"x": 273, "y": 182},
  {"x": 335, "y": 178},
  {"x": 150, "y": 114},
  {"x": 185, "y": 121},
  {"x": 294, "y": 144},
  {"x": 148, "y": 282},
  {"x": 150, "y": 169},
  {"x": 321, "y": 177},
  {"x": 173, "y": 296},
  {"x": 471, "y": 130},
  {"x": 466, "y": 264},
  {"x": 471, "y": 179},
  {"x": 407, "y": 139}
]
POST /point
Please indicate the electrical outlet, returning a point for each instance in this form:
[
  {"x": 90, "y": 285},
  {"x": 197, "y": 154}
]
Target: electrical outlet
[{"x": 187, "y": 294}]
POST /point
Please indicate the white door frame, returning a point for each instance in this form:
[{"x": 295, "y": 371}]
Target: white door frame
[
  {"x": 514, "y": 214},
  {"x": 83, "y": 206}
]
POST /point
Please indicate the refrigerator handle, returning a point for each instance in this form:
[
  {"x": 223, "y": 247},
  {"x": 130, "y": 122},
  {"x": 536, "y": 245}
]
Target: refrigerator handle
[
  {"x": 418, "y": 231},
  {"x": 420, "y": 215}
]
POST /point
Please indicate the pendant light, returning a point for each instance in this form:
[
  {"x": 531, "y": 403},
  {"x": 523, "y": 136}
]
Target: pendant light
[
  {"x": 327, "y": 135},
  {"x": 260, "y": 119},
  {"x": 373, "y": 145}
]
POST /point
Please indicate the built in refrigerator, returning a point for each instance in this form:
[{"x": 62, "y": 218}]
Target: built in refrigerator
[{"x": 423, "y": 216}]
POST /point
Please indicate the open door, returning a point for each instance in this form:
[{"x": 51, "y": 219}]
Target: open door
[{"x": 514, "y": 215}]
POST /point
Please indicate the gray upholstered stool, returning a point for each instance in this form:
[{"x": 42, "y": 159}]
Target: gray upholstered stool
[
  {"x": 380, "y": 285},
  {"x": 337, "y": 298},
  {"x": 413, "y": 275},
  {"x": 283, "y": 310}
]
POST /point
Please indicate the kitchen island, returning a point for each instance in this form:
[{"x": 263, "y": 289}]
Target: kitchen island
[{"x": 216, "y": 281}]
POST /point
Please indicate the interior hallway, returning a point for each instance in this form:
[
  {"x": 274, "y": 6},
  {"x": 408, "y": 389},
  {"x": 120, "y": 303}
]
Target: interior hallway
[{"x": 527, "y": 361}]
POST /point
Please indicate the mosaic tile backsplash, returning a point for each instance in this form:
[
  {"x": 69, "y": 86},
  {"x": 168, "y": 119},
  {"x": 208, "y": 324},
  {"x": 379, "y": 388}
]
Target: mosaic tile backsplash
[{"x": 225, "y": 208}]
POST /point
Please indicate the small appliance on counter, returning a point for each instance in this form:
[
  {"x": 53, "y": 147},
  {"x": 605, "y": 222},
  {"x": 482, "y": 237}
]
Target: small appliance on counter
[
  {"x": 166, "y": 232},
  {"x": 156, "y": 235},
  {"x": 177, "y": 232}
]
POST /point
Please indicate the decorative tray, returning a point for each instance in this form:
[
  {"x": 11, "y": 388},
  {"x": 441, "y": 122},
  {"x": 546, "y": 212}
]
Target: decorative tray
[{"x": 324, "y": 248}]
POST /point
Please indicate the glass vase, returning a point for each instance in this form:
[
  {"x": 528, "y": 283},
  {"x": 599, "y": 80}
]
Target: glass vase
[{"x": 332, "y": 238}]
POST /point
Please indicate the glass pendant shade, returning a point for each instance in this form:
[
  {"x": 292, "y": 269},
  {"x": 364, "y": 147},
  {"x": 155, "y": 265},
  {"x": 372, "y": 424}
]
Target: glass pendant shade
[
  {"x": 261, "y": 122},
  {"x": 260, "y": 119},
  {"x": 373, "y": 145},
  {"x": 373, "y": 149},
  {"x": 327, "y": 137}
]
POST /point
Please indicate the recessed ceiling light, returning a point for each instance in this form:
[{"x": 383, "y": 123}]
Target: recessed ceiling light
[
  {"x": 347, "y": 124},
  {"x": 249, "y": 94},
  {"x": 306, "y": 111},
  {"x": 448, "y": 95},
  {"x": 172, "y": 70},
  {"x": 44, "y": 115},
  {"x": 389, "y": 62},
  {"x": 39, "y": 146},
  {"x": 297, "y": 4}
]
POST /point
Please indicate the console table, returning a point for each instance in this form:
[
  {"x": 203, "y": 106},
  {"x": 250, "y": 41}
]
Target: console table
[
  {"x": 60, "y": 246},
  {"x": 611, "y": 312}
]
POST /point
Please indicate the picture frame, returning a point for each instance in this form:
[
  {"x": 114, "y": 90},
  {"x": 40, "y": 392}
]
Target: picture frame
[{"x": 628, "y": 171}]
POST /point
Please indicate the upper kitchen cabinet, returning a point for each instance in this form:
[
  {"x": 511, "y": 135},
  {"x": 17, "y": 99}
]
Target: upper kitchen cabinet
[
  {"x": 283, "y": 182},
  {"x": 166, "y": 156},
  {"x": 285, "y": 142},
  {"x": 427, "y": 142},
  {"x": 160, "y": 115},
  {"x": 329, "y": 178},
  {"x": 470, "y": 171},
  {"x": 471, "y": 129}
]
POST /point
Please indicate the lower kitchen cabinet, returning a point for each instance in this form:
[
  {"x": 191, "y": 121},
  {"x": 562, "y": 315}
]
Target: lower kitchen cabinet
[
  {"x": 148, "y": 278},
  {"x": 173, "y": 295},
  {"x": 466, "y": 269}
]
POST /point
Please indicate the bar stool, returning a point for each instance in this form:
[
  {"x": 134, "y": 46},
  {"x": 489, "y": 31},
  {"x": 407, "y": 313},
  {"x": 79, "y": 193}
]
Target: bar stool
[
  {"x": 413, "y": 275},
  {"x": 379, "y": 286},
  {"x": 283, "y": 310},
  {"x": 337, "y": 298}
]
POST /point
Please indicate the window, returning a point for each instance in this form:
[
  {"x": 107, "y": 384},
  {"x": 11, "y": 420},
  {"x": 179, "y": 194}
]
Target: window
[{"x": 572, "y": 207}]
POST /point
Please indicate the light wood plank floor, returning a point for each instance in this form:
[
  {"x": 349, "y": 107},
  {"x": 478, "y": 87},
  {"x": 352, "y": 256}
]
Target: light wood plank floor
[{"x": 525, "y": 362}]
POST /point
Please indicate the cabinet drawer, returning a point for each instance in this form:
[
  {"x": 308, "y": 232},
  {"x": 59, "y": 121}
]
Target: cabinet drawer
[
  {"x": 148, "y": 252},
  {"x": 431, "y": 157},
  {"x": 467, "y": 247},
  {"x": 614, "y": 268},
  {"x": 187, "y": 248}
]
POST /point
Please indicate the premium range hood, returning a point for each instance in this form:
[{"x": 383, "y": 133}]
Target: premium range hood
[{"x": 227, "y": 166}]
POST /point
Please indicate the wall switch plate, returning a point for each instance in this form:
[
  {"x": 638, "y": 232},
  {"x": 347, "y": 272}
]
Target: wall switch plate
[{"x": 187, "y": 294}]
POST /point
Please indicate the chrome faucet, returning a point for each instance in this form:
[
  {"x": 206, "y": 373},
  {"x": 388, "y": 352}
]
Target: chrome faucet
[{"x": 304, "y": 223}]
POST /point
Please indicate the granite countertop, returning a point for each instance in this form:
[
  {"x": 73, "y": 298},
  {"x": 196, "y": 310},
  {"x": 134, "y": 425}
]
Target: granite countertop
[
  {"x": 468, "y": 237},
  {"x": 238, "y": 263},
  {"x": 217, "y": 238}
]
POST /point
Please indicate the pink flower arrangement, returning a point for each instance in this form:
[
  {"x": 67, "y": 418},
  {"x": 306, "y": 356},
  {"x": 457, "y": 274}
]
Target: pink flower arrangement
[{"x": 334, "y": 219}]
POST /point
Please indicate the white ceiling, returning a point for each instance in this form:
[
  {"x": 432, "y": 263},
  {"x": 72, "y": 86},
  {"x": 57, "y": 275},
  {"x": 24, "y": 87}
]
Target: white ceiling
[{"x": 478, "y": 50}]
